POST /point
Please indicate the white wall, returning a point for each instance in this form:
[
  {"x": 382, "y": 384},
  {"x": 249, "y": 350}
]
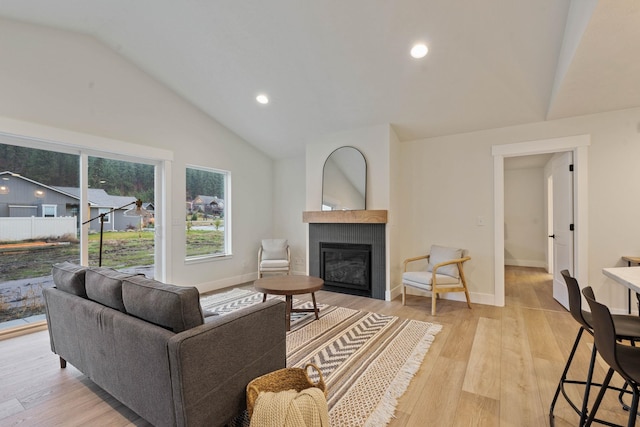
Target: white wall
[
  {"x": 448, "y": 183},
  {"x": 394, "y": 229},
  {"x": 73, "y": 82},
  {"x": 525, "y": 242},
  {"x": 288, "y": 204}
]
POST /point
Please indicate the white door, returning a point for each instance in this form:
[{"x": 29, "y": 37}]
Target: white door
[{"x": 562, "y": 223}]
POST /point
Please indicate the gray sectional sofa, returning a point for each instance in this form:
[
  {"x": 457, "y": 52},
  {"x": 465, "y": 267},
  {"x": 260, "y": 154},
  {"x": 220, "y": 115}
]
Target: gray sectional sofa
[{"x": 149, "y": 345}]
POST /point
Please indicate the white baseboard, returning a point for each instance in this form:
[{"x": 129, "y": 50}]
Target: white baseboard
[
  {"x": 477, "y": 298},
  {"x": 234, "y": 281},
  {"x": 227, "y": 282}
]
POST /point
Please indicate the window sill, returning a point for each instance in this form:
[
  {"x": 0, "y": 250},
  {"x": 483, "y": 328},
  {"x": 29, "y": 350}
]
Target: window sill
[{"x": 207, "y": 258}]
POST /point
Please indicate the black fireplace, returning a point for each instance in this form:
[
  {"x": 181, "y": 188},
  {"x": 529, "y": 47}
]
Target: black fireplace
[
  {"x": 346, "y": 267},
  {"x": 355, "y": 236}
]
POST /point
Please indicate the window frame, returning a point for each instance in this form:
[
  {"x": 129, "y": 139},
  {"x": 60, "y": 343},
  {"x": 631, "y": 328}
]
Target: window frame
[
  {"x": 85, "y": 145},
  {"x": 107, "y": 217},
  {"x": 227, "y": 248},
  {"x": 48, "y": 206}
]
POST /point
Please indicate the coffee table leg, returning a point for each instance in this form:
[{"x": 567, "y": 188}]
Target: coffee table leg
[
  {"x": 264, "y": 297},
  {"x": 315, "y": 307},
  {"x": 289, "y": 304}
]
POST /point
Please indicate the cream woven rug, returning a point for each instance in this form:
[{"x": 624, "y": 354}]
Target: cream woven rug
[{"x": 367, "y": 359}]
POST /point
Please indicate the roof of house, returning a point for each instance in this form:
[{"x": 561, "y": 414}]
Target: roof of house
[
  {"x": 100, "y": 198},
  {"x": 208, "y": 200}
]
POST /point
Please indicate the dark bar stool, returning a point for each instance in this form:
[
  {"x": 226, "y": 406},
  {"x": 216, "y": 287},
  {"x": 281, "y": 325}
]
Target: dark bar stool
[
  {"x": 627, "y": 328},
  {"x": 623, "y": 359}
]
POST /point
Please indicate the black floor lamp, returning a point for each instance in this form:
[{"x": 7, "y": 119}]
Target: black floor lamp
[{"x": 138, "y": 211}]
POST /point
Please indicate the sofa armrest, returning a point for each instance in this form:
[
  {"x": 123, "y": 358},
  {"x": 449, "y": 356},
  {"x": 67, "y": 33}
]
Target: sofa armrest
[{"x": 212, "y": 364}]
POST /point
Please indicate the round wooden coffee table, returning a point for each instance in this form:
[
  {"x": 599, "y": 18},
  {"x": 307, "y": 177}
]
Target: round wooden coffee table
[{"x": 289, "y": 286}]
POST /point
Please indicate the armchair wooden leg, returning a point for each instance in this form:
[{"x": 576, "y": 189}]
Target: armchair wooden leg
[
  {"x": 434, "y": 296},
  {"x": 404, "y": 293},
  {"x": 464, "y": 284},
  {"x": 466, "y": 293}
]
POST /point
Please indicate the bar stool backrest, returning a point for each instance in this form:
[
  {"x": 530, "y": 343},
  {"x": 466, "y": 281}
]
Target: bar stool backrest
[
  {"x": 604, "y": 333},
  {"x": 575, "y": 300}
]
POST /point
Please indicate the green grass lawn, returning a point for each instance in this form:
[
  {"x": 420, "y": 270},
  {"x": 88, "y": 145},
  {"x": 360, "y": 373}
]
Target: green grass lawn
[{"x": 119, "y": 250}]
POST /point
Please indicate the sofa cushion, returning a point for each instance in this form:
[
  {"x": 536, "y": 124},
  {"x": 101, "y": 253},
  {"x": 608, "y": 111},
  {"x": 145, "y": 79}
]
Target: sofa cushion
[
  {"x": 176, "y": 308},
  {"x": 104, "y": 285},
  {"x": 70, "y": 278}
]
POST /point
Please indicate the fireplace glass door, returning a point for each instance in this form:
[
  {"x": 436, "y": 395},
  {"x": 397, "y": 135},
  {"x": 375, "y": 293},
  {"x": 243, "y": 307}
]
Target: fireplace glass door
[{"x": 346, "y": 267}]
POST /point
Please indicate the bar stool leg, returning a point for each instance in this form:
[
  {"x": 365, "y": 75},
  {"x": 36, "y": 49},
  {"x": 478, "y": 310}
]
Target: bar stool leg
[
  {"x": 582, "y": 411},
  {"x": 587, "y": 387}
]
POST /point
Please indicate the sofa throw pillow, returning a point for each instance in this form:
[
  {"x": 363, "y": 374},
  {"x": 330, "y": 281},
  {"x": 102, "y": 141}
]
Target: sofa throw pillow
[
  {"x": 274, "y": 249},
  {"x": 70, "y": 277},
  {"x": 440, "y": 254},
  {"x": 176, "y": 308},
  {"x": 104, "y": 285}
]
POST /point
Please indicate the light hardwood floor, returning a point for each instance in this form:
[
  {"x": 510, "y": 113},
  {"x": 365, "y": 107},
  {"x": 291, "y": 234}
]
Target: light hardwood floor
[{"x": 488, "y": 366}]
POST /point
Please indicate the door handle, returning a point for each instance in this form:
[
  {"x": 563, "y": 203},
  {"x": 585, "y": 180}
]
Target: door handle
[{"x": 553, "y": 236}]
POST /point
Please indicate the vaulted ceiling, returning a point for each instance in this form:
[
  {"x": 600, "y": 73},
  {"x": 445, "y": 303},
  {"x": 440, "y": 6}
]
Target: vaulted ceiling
[{"x": 332, "y": 65}]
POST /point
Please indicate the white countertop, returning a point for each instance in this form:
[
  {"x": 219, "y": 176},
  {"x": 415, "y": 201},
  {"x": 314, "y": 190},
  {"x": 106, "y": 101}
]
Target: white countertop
[{"x": 627, "y": 276}]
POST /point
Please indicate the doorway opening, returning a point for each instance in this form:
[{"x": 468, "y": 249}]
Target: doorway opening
[
  {"x": 578, "y": 145},
  {"x": 526, "y": 245}
]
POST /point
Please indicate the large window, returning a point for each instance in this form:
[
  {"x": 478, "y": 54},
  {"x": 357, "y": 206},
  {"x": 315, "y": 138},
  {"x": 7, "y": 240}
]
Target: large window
[
  {"x": 128, "y": 240},
  {"x": 207, "y": 212},
  {"x": 41, "y": 202},
  {"x": 38, "y": 227}
]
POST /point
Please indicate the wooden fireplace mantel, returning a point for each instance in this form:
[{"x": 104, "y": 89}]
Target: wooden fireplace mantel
[{"x": 346, "y": 217}]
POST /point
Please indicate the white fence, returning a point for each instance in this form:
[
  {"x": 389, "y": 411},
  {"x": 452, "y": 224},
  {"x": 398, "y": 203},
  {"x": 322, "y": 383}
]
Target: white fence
[{"x": 13, "y": 229}]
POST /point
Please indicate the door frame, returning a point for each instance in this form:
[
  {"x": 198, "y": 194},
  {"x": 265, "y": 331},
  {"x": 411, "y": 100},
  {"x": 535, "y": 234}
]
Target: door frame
[{"x": 579, "y": 145}]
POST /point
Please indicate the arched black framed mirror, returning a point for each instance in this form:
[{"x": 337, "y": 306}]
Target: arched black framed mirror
[{"x": 344, "y": 180}]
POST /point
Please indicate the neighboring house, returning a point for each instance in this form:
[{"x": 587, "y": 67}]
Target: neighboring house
[
  {"x": 23, "y": 197},
  {"x": 211, "y": 205},
  {"x": 101, "y": 202},
  {"x": 149, "y": 207}
]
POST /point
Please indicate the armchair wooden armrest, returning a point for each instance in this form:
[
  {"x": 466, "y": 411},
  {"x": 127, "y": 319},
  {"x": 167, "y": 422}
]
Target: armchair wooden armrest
[
  {"x": 417, "y": 258},
  {"x": 458, "y": 261}
]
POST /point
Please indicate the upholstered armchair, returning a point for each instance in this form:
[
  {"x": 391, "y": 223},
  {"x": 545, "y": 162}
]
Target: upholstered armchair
[
  {"x": 274, "y": 256},
  {"x": 443, "y": 274}
]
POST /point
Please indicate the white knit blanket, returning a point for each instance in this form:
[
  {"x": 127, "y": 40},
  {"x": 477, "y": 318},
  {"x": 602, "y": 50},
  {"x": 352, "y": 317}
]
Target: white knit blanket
[{"x": 290, "y": 408}]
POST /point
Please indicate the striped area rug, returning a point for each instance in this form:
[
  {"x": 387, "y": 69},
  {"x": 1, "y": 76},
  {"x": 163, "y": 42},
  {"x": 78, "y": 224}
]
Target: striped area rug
[{"x": 367, "y": 359}]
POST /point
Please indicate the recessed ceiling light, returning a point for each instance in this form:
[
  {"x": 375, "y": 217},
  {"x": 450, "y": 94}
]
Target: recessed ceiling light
[
  {"x": 262, "y": 99},
  {"x": 419, "y": 50}
]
